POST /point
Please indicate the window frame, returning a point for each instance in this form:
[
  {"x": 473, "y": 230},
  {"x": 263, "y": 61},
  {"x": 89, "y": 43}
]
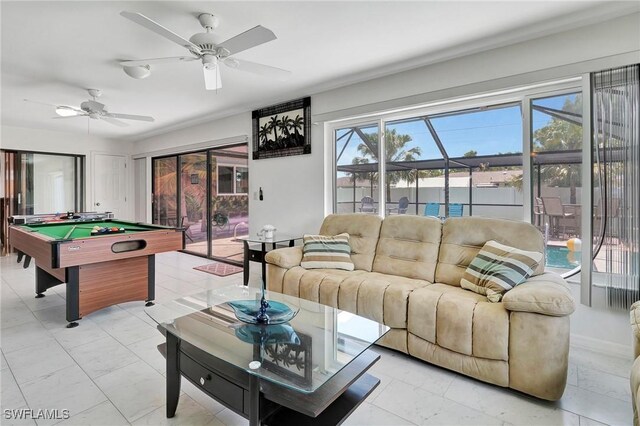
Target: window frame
[
  {"x": 235, "y": 182},
  {"x": 521, "y": 96}
]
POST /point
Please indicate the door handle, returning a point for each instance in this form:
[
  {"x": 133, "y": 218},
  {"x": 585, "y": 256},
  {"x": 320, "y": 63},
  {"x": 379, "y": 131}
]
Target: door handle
[
  {"x": 98, "y": 204},
  {"x": 19, "y": 197}
]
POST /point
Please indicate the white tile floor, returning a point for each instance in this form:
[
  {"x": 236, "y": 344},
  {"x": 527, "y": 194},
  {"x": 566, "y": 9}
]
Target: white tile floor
[{"x": 108, "y": 371}]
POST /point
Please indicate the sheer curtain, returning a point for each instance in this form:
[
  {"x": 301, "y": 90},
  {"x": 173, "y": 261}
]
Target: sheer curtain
[{"x": 616, "y": 183}]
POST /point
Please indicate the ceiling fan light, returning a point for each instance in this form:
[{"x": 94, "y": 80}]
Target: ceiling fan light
[
  {"x": 209, "y": 62},
  {"x": 138, "y": 72},
  {"x": 64, "y": 111}
]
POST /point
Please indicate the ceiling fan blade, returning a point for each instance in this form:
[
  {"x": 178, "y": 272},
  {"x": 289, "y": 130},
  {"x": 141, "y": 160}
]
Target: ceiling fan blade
[
  {"x": 130, "y": 117},
  {"x": 256, "y": 68},
  {"x": 143, "y": 62},
  {"x": 40, "y": 102},
  {"x": 248, "y": 39},
  {"x": 69, "y": 116},
  {"x": 212, "y": 80},
  {"x": 114, "y": 121},
  {"x": 149, "y": 24}
]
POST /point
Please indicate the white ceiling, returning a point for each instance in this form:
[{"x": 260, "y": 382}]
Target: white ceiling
[{"x": 53, "y": 50}]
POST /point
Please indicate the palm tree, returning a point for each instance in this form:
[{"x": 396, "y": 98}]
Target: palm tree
[
  {"x": 561, "y": 135},
  {"x": 263, "y": 133},
  {"x": 274, "y": 123},
  {"x": 283, "y": 125},
  {"x": 296, "y": 125},
  {"x": 395, "y": 151}
]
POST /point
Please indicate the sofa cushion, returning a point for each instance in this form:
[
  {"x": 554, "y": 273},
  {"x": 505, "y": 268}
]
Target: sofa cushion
[
  {"x": 497, "y": 269},
  {"x": 408, "y": 247},
  {"x": 379, "y": 297},
  {"x": 326, "y": 252},
  {"x": 363, "y": 230},
  {"x": 463, "y": 237},
  {"x": 459, "y": 320}
]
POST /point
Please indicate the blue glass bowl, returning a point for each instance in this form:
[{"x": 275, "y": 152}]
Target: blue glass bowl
[
  {"x": 267, "y": 334},
  {"x": 247, "y": 311}
]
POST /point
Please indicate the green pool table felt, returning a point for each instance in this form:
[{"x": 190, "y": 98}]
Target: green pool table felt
[{"x": 59, "y": 231}]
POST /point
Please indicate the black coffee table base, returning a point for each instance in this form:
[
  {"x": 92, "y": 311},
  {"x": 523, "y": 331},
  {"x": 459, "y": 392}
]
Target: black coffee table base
[{"x": 261, "y": 401}]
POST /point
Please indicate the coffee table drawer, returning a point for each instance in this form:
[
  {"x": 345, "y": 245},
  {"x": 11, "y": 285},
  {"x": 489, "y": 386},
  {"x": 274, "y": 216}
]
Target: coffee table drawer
[{"x": 216, "y": 386}]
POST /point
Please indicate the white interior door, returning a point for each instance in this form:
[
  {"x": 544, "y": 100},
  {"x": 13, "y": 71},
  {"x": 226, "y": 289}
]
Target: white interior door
[{"x": 110, "y": 184}]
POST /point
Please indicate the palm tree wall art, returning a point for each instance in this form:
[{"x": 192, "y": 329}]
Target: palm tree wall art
[{"x": 282, "y": 130}]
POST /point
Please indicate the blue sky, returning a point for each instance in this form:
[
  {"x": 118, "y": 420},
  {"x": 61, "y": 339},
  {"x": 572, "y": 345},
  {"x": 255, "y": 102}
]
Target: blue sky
[{"x": 487, "y": 132}]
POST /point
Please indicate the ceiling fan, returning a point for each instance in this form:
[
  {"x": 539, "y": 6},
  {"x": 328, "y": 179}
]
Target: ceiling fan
[
  {"x": 94, "y": 109},
  {"x": 203, "y": 47}
]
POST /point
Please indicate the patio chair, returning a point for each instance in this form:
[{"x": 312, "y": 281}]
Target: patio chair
[
  {"x": 555, "y": 210},
  {"x": 455, "y": 209},
  {"x": 432, "y": 209},
  {"x": 538, "y": 213},
  {"x": 403, "y": 205},
  {"x": 366, "y": 205}
]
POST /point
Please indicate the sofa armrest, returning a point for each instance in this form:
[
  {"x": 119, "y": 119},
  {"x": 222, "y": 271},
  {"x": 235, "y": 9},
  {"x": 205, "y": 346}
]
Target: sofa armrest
[
  {"x": 285, "y": 258},
  {"x": 546, "y": 294},
  {"x": 634, "y": 315}
]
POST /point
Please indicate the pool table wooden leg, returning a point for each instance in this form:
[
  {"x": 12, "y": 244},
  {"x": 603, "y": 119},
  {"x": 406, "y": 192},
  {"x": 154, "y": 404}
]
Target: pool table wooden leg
[
  {"x": 73, "y": 296},
  {"x": 44, "y": 281},
  {"x": 151, "y": 285}
]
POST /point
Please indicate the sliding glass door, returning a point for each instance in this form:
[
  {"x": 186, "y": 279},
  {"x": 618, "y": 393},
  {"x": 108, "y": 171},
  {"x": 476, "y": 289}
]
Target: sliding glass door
[
  {"x": 43, "y": 183},
  {"x": 205, "y": 192},
  {"x": 40, "y": 183},
  {"x": 229, "y": 201},
  {"x": 556, "y": 164}
]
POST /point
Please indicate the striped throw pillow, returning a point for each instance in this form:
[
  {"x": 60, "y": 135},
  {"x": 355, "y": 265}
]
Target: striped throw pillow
[
  {"x": 498, "y": 268},
  {"x": 323, "y": 252}
]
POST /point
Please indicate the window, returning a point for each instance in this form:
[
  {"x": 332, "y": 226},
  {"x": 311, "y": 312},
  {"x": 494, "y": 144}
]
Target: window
[
  {"x": 225, "y": 180},
  {"x": 357, "y": 169},
  {"x": 242, "y": 180},
  {"x": 466, "y": 162},
  {"x": 556, "y": 155},
  {"x": 233, "y": 180}
]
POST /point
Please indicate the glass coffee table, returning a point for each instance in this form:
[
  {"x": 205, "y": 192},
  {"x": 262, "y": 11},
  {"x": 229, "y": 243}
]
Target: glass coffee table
[{"x": 310, "y": 370}]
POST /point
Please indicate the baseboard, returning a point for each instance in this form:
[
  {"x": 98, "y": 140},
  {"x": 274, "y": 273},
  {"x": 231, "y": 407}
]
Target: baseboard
[{"x": 601, "y": 346}]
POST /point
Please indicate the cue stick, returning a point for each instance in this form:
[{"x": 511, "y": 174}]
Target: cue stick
[
  {"x": 126, "y": 229},
  {"x": 70, "y": 232}
]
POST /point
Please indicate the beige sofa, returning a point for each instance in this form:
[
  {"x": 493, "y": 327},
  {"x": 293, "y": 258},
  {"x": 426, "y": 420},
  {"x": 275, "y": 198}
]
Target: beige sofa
[
  {"x": 407, "y": 276},
  {"x": 635, "y": 369}
]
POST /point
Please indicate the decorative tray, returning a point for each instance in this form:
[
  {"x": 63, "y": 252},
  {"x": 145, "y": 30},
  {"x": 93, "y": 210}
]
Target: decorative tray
[
  {"x": 262, "y": 312},
  {"x": 267, "y": 335}
]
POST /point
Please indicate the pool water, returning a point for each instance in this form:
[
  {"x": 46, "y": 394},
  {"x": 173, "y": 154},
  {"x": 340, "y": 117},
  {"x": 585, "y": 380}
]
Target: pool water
[{"x": 561, "y": 257}]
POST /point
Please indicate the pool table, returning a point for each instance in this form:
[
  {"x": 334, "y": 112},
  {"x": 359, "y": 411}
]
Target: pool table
[{"x": 99, "y": 270}]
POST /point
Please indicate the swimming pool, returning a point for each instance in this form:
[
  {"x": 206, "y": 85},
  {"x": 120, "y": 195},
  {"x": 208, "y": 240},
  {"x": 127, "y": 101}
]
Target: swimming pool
[{"x": 561, "y": 257}]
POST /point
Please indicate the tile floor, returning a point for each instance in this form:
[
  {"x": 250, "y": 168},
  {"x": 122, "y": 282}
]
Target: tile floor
[{"x": 108, "y": 371}]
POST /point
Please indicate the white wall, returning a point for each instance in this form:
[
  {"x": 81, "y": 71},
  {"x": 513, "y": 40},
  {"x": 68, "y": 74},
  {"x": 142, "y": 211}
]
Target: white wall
[
  {"x": 20, "y": 138},
  {"x": 295, "y": 188}
]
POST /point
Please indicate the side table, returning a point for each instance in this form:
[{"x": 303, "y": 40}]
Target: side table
[{"x": 256, "y": 248}]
